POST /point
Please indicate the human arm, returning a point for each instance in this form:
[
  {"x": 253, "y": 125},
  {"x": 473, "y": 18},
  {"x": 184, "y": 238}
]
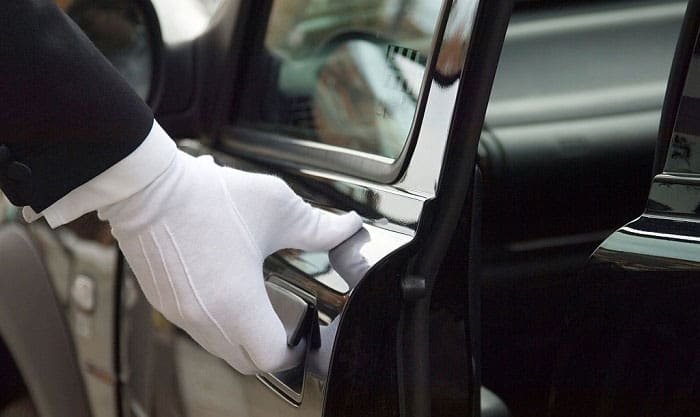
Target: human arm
[{"x": 195, "y": 233}]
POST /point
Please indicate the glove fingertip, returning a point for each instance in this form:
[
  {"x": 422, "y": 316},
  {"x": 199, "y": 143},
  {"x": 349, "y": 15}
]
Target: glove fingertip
[
  {"x": 354, "y": 222},
  {"x": 321, "y": 231},
  {"x": 341, "y": 227}
]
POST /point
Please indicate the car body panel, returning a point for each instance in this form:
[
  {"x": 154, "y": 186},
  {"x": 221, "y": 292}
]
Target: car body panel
[{"x": 637, "y": 297}]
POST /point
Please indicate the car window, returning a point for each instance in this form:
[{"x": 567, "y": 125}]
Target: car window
[{"x": 343, "y": 73}]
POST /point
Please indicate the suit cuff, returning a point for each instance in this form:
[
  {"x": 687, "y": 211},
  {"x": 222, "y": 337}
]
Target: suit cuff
[{"x": 118, "y": 182}]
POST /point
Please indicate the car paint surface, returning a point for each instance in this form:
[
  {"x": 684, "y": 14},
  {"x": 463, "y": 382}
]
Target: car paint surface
[
  {"x": 664, "y": 237},
  {"x": 634, "y": 317}
]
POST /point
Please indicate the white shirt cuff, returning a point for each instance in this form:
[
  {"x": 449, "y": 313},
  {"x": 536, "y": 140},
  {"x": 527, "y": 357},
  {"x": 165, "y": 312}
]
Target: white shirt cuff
[{"x": 118, "y": 182}]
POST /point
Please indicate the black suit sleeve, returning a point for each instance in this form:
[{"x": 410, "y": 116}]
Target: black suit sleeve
[{"x": 65, "y": 112}]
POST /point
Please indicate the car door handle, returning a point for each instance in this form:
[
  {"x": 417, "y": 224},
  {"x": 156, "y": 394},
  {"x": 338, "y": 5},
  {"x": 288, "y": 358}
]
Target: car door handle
[{"x": 298, "y": 316}]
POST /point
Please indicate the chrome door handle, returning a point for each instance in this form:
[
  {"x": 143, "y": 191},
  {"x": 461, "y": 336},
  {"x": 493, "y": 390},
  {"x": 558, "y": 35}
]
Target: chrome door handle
[{"x": 298, "y": 316}]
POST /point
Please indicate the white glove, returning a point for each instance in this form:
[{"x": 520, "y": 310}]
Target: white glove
[{"x": 196, "y": 238}]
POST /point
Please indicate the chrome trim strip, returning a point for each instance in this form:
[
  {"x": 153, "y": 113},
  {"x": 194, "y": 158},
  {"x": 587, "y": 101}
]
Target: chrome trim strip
[{"x": 638, "y": 232}]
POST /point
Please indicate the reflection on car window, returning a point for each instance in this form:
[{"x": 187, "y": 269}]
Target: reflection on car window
[{"x": 343, "y": 73}]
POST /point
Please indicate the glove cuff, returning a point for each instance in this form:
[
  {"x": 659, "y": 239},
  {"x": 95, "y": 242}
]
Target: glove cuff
[{"x": 117, "y": 183}]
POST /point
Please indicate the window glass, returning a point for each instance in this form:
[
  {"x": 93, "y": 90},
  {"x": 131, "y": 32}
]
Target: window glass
[{"x": 341, "y": 72}]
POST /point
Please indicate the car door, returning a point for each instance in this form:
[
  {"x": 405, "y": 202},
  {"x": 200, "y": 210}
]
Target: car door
[
  {"x": 375, "y": 107},
  {"x": 631, "y": 347}
]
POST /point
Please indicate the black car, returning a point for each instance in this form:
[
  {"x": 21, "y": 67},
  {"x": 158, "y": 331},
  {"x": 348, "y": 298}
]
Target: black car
[{"x": 514, "y": 260}]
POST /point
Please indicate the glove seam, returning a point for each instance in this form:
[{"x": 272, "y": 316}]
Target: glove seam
[
  {"x": 153, "y": 275},
  {"x": 192, "y": 287},
  {"x": 167, "y": 274},
  {"x": 244, "y": 225}
]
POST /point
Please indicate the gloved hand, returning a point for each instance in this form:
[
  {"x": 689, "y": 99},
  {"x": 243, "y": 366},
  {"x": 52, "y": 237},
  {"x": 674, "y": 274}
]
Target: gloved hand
[{"x": 196, "y": 239}]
